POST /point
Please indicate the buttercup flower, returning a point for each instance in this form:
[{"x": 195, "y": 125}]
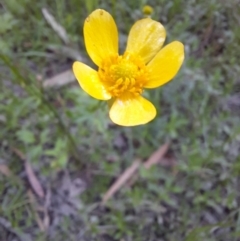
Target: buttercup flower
[{"x": 123, "y": 78}]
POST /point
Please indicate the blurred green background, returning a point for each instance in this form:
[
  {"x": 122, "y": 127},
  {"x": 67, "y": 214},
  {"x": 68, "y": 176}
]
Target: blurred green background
[{"x": 59, "y": 152}]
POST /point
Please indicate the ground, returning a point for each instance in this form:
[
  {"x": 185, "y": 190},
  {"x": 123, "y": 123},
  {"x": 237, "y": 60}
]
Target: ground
[{"x": 60, "y": 153}]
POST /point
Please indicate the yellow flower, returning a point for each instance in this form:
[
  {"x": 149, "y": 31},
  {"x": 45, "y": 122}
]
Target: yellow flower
[{"x": 123, "y": 78}]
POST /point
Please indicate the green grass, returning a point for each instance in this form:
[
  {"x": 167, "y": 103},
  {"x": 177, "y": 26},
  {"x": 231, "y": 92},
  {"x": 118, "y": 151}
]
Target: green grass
[{"x": 65, "y": 133}]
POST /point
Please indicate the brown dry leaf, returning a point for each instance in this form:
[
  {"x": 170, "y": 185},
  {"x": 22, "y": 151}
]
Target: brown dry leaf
[
  {"x": 35, "y": 184},
  {"x": 157, "y": 156},
  {"x": 43, "y": 223},
  {"x": 32, "y": 178},
  {"x": 128, "y": 173},
  {"x": 62, "y": 33},
  {"x": 5, "y": 170},
  {"x": 70, "y": 52},
  {"x": 59, "y": 79},
  {"x": 35, "y": 208},
  {"x": 46, "y": 218},
  {"x": 18, "y": 153}
]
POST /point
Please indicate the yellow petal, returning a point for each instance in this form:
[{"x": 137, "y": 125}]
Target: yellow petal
[
  {"x": 132, "y": 111},
  {"x": 100, "y": 35},
  {"x": 165, "y": 65},
  {"x": 89, "y": 81},
  {"x": 146, "y": 37}
]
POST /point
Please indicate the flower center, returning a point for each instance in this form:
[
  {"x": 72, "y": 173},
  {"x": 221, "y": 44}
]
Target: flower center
[{"x": 125, "y": 74}]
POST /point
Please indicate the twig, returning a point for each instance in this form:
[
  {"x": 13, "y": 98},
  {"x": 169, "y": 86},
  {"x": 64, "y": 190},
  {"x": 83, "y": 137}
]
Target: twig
[
  {"x": 121, "y": 180},
  {"x": 157, "y": 156},
  {"x": 35, "y": 208},
  {"x": 55, "y": 26},
  {"x": 34, "y": 182},
  {"x": 130, "y": 172},
  {"x": 59, "y": 80}
]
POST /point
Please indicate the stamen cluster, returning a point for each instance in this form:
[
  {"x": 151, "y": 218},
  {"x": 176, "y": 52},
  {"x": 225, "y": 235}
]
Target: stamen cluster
[{"x": 125, "y": 74}]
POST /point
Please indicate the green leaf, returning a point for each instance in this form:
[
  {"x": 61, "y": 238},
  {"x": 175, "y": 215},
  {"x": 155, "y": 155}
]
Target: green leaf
[
  {"x": 6, "y": 22},
  {"x": 26, "y": 136}
]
